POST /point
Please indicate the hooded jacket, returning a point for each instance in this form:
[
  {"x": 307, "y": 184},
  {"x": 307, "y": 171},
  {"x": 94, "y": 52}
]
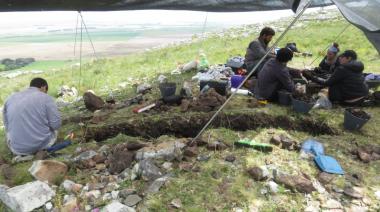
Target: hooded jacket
[
  {"x": 346, "y": 83},
  {"x": 255, "y": 51}
]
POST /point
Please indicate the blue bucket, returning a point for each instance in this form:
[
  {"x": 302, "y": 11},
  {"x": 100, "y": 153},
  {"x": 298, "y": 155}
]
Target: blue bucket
[
  {"x": 301, "y": 106},
  {"x": 236, "y": 80}
]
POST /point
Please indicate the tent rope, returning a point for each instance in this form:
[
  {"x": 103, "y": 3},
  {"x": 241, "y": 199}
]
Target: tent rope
[
  {"x": 88, "y": 35},
  {"x": 203, "y": 31},
  {"x": 252, "y": 71},
  {"x": 76, "y": 34},
  {"x": 336, "y": 38}
]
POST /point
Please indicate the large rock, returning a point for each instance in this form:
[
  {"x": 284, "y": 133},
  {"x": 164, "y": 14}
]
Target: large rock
[
  {"x": 48, "y": 170},
  {"x": 353, "y": 192},
  {"x": 92, "y": 102},
  {"x": 85, "y": 155},
  {"x": 169, "y": 150},
  {"x": 116, "y": 206},
  {"x": 157, "y": 184},
  {"x": 26, "y": 197},
  {"x": 132, "y": 200},
  {"x": 120, "y": 159},
  {"x": 148, "y": 171},
  {"x": 257, "y": 173},
  {"x": 297, "y": 182}
]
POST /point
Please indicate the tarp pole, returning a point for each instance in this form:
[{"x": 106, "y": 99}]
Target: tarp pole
[{"x": 253, "y": 70}]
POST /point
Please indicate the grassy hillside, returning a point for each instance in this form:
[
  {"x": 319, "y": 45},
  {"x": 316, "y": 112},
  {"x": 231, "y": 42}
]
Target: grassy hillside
[{"x": 232, "y": 188}]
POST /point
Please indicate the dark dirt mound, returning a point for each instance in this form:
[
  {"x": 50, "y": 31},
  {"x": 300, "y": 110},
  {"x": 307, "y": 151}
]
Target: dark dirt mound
[
  {"x": 189, "y": 125},
  {"x": 359, "y": 113}
]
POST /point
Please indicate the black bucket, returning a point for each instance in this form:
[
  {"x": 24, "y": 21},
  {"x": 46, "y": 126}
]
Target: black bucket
[
  {"x": 219, "y": 86},
  {"x": 352, "y": 122},
  {"x": 301, "y": 106},
  {"x": 284, "y": 98},
  {"x": 167, "y": 89}
]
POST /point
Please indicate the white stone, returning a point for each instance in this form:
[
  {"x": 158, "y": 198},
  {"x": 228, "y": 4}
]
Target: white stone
[
  {"x": 94, "y": 193},
  {"x": 48, "y": 170},
  {"x": 332, "y": 204},
  {"x": 273, "y": 187},
  {"x": 107, "y": 196},
  {"x": 116, "y": 206},
  {"x": 48, "y": 206},
  {"x": 167, "y": 165},
  {"x": 115, "y": 194},
  {"x": 67, "y": 185},
  {"x": 377, "y": 194},
  {"x": 27, "y": 197},
  {"x": 87, "y": 208}
]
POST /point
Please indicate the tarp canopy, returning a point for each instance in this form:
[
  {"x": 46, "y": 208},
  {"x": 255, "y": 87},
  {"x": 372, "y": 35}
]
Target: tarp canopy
[
  {"x": 363, "y": 13},
  {"x": 106, "y": 5}
]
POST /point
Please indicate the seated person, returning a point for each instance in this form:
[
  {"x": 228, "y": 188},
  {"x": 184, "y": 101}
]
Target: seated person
[
  {"x": 346, "y": 84},
  {"x": 329, "y": 63},
  {"x": 31, "y": 119},
  {"x": 275, "y": 76},
  {"x": 257, "y": 49}
]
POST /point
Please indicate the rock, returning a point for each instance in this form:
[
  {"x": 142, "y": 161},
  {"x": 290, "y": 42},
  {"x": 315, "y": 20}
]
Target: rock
[
  {"x": 167, "y": 166},
  {"x": 143, "y": 88},
  {"x": 104, "y": 150},
  {"x": 176, "y": 203},
  {"x": 116, "y": 206},
  {"x": 133, "y": 146},
  {"x": 276, "y": 140},
  {"x": 185, "y": 104},
  {"x": 325, "y": 178},
  {"x": 92, "y": 102},
  {"x": 7, "y": 171},
  {"x": 132, "y": 200},
  {"x": 191, "y": 151},
  {"x": 126, "y": 173},
  {"x": 377, "y": 194},
  {"x": 106, "y": 197},
  {"x": 99, "y": 158},
  {"x": 337, "y": 190},
  {"x": 215, "y": 174},
  {"x": 48, "y": 206},
  {"x": 257, "y": 173},
  {"x": 298, "y": 183},
  {"x": 93, "y": 194},
  {"x": 85, "y": 155},
  {"x": 364, "y": 156},
  {"x": 356, "y": 208},
  {"x": 165, "y": 150},
  {"x": 203, "y": 158},
  {"x": 332, "y": 204},
  {"x": 27, "y": 197},
  {"x": 185, "y": 166},
  {"x": 120, "y": 159},
  {"x": 216, "y": 145},
  {"x": 157, "y": 184},
  {"x": 70, "y": 206},
  {"x": 48, "y": 170},
  {"x": 41, "y": 155},
  {"x": 230, "y": 158},
  {"x": 287, "y": 143},
  {"x": 100, "y": 167},
  {"x": 353, "y": 192},
  {"x": 70, "y": 186},
  {"x": 126, "y": 192},
  {"x": 87, "y": 164},
  {"x": 273, "y": 187},
  {"x": 149, "y": 171},
  {"x": 115, "y": 194}
]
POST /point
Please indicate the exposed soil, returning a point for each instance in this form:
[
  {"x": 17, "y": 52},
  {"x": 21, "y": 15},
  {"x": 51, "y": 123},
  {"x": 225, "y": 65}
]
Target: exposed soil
[
  {"x": 189, "y": 125},
  {"x": 359, "y": 113},
  {"x": 304, "y": 98}
]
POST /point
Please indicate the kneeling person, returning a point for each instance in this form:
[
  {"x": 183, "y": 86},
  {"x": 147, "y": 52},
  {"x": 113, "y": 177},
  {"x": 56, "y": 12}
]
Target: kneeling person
[
  {"x": 275, "y": 76},
  {"x": 31, "y": 119}
]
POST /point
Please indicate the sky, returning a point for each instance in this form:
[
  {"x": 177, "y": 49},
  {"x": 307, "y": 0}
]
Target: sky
[{"x": 24, "y": 22}]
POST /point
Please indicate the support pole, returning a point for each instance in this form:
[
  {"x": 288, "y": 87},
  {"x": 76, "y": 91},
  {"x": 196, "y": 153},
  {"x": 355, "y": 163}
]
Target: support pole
[{"x": 253, "y": 70}]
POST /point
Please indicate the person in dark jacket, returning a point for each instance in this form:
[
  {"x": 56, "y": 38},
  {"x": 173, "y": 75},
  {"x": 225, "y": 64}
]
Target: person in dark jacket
[
  {"x": 346, "y": 84},
  {"x": 257, "y": 49},
  {"x": 329, "y": 62},
  {"x": 275, "y": 76}
]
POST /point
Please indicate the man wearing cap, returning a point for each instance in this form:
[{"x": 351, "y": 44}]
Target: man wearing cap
[
  {"x": 31, "y": 119},
  {"x": 346, "y": 84}
]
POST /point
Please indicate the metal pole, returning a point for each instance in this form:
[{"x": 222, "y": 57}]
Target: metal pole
[
  {"x": 253, "y": 70},
  {"x": 80, "y": 52}
]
